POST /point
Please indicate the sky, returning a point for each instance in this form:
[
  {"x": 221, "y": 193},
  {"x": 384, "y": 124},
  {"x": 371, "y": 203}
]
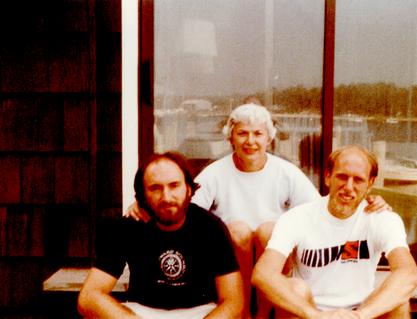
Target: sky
[{"x": 221, "y": 47}]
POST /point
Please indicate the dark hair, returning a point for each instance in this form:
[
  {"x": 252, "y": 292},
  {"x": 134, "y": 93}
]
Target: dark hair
[
  {"x": 177, "y": 158},
  {"x": 331, "y": 161}
]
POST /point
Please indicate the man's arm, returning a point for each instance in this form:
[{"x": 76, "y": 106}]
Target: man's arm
[
  {"x": 396, "y": 288},
  {"x": 267, "y": 277},
  {"x": 95, "y": 300},
  {"x": 230, "y": 297}
]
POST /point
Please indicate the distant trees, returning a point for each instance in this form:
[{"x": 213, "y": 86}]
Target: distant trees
[
  {"x": 376, "y": 99},
  {"x": 364, "y": 99},
  {"x": 298, "y": 99}
]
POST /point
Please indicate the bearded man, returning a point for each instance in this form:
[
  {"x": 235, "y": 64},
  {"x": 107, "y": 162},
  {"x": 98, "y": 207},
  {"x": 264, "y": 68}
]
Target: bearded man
[{"x": 182, "y": 263}]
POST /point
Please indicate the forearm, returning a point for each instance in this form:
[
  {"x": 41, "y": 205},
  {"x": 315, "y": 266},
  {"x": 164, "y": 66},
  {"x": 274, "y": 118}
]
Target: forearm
[
  {"x": 281, "y": 291},
  {"x": 393, "y": 292},
  {"x": 103, "y": 306},
  {"x": 226, "y": 310}
]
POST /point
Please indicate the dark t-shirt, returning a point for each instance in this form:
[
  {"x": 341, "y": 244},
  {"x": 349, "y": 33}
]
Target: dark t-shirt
[{"x": 170, "y": 269}]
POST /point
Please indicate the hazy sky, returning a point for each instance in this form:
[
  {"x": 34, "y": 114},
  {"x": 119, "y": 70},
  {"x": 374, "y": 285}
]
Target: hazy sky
[
  {"x": 228, "y": 46},
  {"x": 376, "y": 41}
]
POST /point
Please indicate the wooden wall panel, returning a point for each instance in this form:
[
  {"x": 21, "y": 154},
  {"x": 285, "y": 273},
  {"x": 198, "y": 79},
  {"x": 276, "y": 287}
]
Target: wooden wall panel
[
  {"x": 109, "y": 15},
  {"x": 66, "y": 231},
  {"x": 6, "y": 282},
  {"x": 109, "y": 62},
  {"x": 25, "y": 282},
  {"x": 50, "y": 124},
  {"x": 3, "y": 232},
  {"x": 71, "y": 180},
  {"x": 21, "y": 279},
  {"x": 18, "y": 127},
  {"x": 109, "y": 127},
  {"x": 79, "y": 233},
  {"x": 38, "y": 180},
  {"x": 10, "y": 180},
  {"x": 27, "y": 16},
  {"x": 24, "y": 64},
  {"x": 76, "y": 124},
  {"x": 109, "y": 180},
  {"x": 54, "y": 58},
  {"x": 74, "y": 16},
  {"x": 36, "y": 245},
  {"x": 56, "y": 231},
  {"x": 17, "y": 231},
  {"x": 69, "y": 65}
]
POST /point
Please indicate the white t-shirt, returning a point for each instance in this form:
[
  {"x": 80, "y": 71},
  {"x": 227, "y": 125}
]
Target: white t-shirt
[
  {"x": 337, "y": 257},
  {"x": 252, "y": 197}
]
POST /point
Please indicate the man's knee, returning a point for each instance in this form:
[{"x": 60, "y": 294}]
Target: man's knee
[
  {"x": 242, "y": 235},
  {"x": 263, "y": 234},
  {"x": 401, "y": 312}
]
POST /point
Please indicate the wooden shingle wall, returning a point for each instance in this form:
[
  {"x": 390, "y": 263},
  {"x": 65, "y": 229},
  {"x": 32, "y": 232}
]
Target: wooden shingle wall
[{"x": 60, "y": 136}]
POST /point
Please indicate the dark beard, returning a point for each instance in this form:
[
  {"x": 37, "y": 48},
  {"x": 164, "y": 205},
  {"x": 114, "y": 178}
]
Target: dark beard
[{"x": 182, "y": 210}]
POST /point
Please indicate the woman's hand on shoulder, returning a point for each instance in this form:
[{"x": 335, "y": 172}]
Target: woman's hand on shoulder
[
  {"x": 376, "y": 204},
  {"x": 137, "y": 213}
]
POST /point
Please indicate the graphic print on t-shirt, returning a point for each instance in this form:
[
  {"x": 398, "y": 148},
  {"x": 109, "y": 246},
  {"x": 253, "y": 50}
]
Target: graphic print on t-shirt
[
  {"x": 173, "y": 266},
  {"x": 351, "y": 251}
]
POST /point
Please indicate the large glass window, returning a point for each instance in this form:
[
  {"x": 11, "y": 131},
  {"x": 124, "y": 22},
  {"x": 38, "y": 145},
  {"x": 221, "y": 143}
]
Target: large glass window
[
  {"x": 375, "y": 101},
  {"x": 211, "y": 55}
]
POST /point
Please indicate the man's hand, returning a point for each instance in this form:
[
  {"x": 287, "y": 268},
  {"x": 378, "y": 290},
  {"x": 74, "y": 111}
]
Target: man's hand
[
  {"x": 376, "y": 204},
  {"x": 96, "y": 301},
  {"x": 137, "y": 213}
]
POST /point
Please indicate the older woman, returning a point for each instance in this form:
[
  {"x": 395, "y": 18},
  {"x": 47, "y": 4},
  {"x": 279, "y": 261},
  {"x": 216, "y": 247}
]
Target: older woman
[{"x": 250, "y": 188}]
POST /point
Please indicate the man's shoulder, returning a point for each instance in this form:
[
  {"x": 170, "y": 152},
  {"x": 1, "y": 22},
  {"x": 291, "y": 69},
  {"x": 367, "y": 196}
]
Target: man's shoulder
[
  {"x": 385, "y": 217},
  {"x": 199, "y": 213},
  {"x": 127, "y": 228},
  {"x": 116, "y": 236},
  {"x": 202, "y": 217},
  {"x": 130, "y": 223},
  {"x": 307, "y": 209}
]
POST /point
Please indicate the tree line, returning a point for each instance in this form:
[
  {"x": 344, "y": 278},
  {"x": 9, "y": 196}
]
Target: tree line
[{"x": 376, "y": 99}]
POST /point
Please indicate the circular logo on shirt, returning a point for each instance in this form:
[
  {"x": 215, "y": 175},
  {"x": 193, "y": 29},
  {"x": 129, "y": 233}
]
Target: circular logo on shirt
[{"x": 172, "y": 264}]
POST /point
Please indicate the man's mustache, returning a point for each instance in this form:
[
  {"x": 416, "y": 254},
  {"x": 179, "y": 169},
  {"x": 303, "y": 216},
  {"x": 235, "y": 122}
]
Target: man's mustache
[{"x": 168, "y": 204}]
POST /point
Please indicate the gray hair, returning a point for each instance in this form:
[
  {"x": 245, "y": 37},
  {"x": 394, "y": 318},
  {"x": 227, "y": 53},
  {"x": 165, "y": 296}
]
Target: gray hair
[{"x": 251, "y": 114}]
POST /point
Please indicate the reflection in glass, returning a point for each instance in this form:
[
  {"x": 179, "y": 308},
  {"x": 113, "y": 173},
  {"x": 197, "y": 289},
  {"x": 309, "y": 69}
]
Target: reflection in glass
[
  {"x": 376, "y": 85},
  {"x": 211, "y": 55}
]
